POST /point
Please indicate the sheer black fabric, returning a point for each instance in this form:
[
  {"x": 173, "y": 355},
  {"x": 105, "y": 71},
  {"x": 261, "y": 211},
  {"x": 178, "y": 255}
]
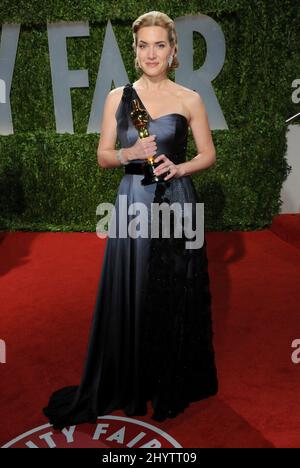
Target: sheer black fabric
[{"x": 151, "y": 337}]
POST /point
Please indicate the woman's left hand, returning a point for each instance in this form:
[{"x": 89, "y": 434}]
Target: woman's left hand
[{"x": 167, "y": 167}]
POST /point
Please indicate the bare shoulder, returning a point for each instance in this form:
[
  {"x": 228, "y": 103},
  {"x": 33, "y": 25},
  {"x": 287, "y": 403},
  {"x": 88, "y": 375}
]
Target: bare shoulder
[
  {"x": 113, "y": 99},
  {"x": 191, "y": 99},
  {"x": 190, "y": 96},
  {"x": 115, "y": 94},
  {"x": 117, "y": 91}
]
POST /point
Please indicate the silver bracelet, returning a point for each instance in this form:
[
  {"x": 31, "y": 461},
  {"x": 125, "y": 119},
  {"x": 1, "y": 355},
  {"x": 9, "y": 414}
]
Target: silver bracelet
[{"x": 120, "y": 158}]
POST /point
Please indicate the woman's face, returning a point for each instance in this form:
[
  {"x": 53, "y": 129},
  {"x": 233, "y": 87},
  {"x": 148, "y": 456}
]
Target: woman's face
[{"x": 153, "y": 49}]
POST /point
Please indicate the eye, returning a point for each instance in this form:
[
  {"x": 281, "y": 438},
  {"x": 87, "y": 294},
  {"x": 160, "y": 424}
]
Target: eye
[
  {"x": 161, "y": 45},
  {"x": 141, "y": 46}
]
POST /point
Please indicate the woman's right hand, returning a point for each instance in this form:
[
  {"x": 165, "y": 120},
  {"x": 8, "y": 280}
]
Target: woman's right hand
[{"x": 143, "y": 148}]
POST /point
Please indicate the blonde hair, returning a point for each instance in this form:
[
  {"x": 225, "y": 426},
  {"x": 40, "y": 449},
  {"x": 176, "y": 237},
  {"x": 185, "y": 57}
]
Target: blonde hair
[{"x": 156, "y": 18}]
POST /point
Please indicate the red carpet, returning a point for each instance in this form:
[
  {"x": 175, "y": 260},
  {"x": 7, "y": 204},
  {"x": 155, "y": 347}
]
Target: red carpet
[
  {"x": 287, "y": 227},
  {"x": 48, "y": 285}
]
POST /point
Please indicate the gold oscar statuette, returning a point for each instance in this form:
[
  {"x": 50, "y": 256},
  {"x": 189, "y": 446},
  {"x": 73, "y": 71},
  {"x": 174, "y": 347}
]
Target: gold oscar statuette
[{"x": 140, "y": 120}]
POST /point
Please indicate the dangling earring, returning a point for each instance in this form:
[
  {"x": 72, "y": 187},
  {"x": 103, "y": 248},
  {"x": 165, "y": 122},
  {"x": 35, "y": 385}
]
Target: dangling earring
[
  {"x": 138, "y": 63},
  {"x": 170, "y": 60}
]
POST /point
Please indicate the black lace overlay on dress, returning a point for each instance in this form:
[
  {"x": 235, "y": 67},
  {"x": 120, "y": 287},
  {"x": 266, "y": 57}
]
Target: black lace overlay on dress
[{"x": 178, "y": 351}]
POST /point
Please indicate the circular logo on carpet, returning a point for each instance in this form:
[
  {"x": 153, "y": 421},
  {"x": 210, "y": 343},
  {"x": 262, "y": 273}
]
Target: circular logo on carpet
[{"x": 108, "y": 432}]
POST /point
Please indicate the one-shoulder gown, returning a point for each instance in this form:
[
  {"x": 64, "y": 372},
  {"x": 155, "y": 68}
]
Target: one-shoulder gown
[{"x": 151, "y": 337}]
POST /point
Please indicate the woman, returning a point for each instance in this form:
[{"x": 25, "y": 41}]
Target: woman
[{"x": 151, "y": 336}]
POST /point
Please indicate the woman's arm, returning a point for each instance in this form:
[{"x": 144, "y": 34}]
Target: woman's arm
[
  {"x": 206, "y": 156},
  {"x": 106, "y": 152}
]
